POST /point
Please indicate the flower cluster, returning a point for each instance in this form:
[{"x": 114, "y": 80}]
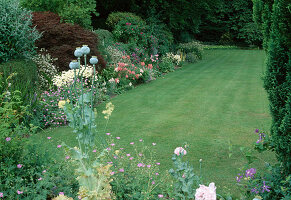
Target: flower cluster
[
  {"x": 176, "y": 59},
  {"x": 46, "y": 68},
  {"x": 206, "y": 193},
  {"x": 255, "y": 183},
  {"x": 67, "y": 77}
]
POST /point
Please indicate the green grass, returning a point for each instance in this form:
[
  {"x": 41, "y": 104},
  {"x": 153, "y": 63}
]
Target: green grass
[{"x": 218, "y": 101}]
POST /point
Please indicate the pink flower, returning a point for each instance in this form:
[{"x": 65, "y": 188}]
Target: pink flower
[
  {"x": 140, "y": 154},
  {"x": 153, "y": 182},
  {"x": 160, "y": 196},
  {"x": 116, "y": 80},
  {"x": 126, "y": 76},
  {"x": 108, "y": 149},
  {"x": 8, "y": 139},
  {"x": 204, "y": 192},
  {"x": 154, "y": 144},
  {"x": 19, "y": 192},
  {"x": 139, "y": 164},
  {"x": 121, "y": 170},
  {"x": 131, "y": 143},
  {"x": 148, "y": 166},
  {"x": 19, "y": 166},
  {"x": 157, "y": 174},
  {"x": 112, "y": 144},
  {"x": 61, "y": 193},
  {"x": 94, "y": 151},
  {"x": 180, "y": 150},
  {"x": 118, "y": 138},
  {"x": 131, "y": 158},
  {"x": 44, "y": 171},
  {"x": 107, "y": 133},
  {"x": 67, "y": 157},
  {"x": 1, "y": 194},
  {"x": 112, "y": 173},
  {"x": 59, "y": 146},
  {"x": 128, "y": 155},
  {"x": 142, "y": 64},
  {"x": 49, "y": 138},
  {"x": 158, "y": 163},
  {"x": 39, "y": 179}
]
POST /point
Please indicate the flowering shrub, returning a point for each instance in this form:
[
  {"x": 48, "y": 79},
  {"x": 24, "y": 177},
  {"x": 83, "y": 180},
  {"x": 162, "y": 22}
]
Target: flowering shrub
[
  {"x": 176, "y": 59},
  {"x": 52, "y": 114},
  {"x": 67, "y": 77},
  {"x": 45, "y": 67},
  {"x": 193, "y": 50}
]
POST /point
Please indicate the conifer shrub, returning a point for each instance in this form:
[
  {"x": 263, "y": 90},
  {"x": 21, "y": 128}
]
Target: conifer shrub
[
  {"x": 278, "y": 82},
  {"x": 61, "y": 39}
]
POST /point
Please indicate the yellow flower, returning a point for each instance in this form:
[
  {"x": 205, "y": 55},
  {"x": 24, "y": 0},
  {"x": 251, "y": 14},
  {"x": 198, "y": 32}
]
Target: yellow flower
[
  {"x": 108, "y": 111},
  {"x": 117, "y": 152},
  {"x": 62, "y": 103}
]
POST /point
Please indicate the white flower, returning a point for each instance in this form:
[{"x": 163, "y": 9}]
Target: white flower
[
  {"x": 141, "y": 71},
  {"x": 130, "y": 84},
  {"x": 111, "y": 80}
]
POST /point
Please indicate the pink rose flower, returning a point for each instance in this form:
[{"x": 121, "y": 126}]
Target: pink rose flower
[
  {"x": 204, "y": 192},
  {"x": 49, "y": 138},
  {"x": 59, "y": 146},
  {"x": 160, "y": 196},
  {"x": 8, "y": 139},
  {"x": 142, "y": 64},
  {"x": 94, "y": 151},
  {"x": 19, "y": 192},
  {"x": 107, "y": 133},
  {"x": 19, "y": 166},
  {"x": 180, "y": 150},
  {"x": 1, "y": 194},
  {"x": 118, "y": 138}
]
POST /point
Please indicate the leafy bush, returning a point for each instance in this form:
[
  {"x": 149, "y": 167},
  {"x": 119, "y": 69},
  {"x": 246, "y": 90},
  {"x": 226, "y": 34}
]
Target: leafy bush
[
  {"x": 34, "y": 174},
  {"x": 194, "y": 47},
  {"x": 160, "y": 31},
  {"x": 76, "y": 12},
  {"x": 17, "y": 37},
  {"x": 166, "y": 65},
  {"x": 60, "y": 39},
  {"x": 45, "y": 68},
  {"x": 105, "y": 37},
  {"x": 191, "y": 57},
  {"x": 115, "y": 17}
]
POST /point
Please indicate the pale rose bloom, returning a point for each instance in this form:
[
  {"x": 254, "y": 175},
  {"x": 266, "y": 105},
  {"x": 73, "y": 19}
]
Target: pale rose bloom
[
  {"x": 180, "y": 150},
  {"x": 141, "y": 71},
  {"x": 206, "y": 193},
  {"x": 142, "y": 63},
  {"x": 116, "y": 80},
  {"x": 111, "y": 80},
  {"x": 130, "y": 84}
]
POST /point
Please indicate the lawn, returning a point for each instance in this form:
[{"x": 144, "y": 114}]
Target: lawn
[{"x": 211, "y": 105}]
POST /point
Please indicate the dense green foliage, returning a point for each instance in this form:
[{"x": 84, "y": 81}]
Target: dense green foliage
[
  {"x": 72, "y": 11},
  {"x": 17, "y": 37},
  {"x": 230, "y": 23},
  {"x": 24, "y": 78},
  {"x": 278, "y": 80}
]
